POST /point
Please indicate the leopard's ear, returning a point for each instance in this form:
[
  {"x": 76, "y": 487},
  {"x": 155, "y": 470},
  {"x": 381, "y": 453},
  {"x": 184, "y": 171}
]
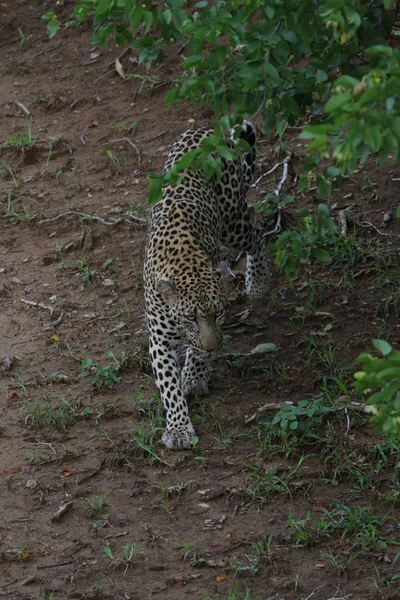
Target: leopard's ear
[{"x": 167, "y": 290}]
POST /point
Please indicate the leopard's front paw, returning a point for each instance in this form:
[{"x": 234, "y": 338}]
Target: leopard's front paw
[
  {"x": 194, "y": 385},
  {"x": 179, "y": 437}
]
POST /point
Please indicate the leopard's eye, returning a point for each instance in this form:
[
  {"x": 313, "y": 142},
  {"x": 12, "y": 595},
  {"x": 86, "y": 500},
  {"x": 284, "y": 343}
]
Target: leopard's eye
[
  {"x": 219, "y": 313},
  {"x": 191, "y": 317}
]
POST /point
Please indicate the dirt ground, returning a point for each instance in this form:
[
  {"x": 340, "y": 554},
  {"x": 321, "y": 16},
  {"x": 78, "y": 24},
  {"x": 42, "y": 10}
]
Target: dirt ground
[{"x": 253, "y": 511}]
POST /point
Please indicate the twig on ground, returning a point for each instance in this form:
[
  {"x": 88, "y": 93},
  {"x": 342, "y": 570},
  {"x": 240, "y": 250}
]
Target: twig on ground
[
  {"x": 125, "y": 139},
  {"x": 38, "y": 305},
  {"x": 62, "y": 510},
  {"x": 339, "y": 597},
  {"x": 274, "y": 168},
  {"x": 104, "y": 74},
  {"x": 369, "y": 224},
  {"x": 59, "y": 319},
  {"x": 264, "y": 408},
  {"x": 278, "y": 405},
  {"x": 154, "y": 137},
  {"x": 45, "y": 307},
  {"x": 259, "y": 109},
  {"x": 55, "y": 564},
  {"x": 6, "y": 364},
  {"x": 112, "y": 63},
  {"x": 346, "y": 412},
  {"x": 313, "y": 592},
  {"x": 277, "y": 227},
  {"x": 285, "y": 170},
  {"x": 134, "y": 219},
  {"x": 277, "y": 191},
  {"x": 131, "y": 218},
  {"x": 47, "y": 444},
  {"x": 343, "y": 222},
  {"x": 23, "y": 108}
]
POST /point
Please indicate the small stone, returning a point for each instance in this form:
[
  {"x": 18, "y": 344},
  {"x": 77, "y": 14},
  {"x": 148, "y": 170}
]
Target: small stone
[
  {"x": 108, "y": 282},
  {"x": 31, "y": 484}
]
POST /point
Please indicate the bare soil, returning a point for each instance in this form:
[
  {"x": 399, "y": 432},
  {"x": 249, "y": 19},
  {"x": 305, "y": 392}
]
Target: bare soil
[{"x": 199, "y": 520}]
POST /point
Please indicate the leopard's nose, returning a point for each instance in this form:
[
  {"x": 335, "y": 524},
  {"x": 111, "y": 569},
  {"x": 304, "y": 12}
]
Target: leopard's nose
[
  {"x": 209, "y": 337},
  {"x": 211, "y": 343},
  {"x": 211, "y": 347}
]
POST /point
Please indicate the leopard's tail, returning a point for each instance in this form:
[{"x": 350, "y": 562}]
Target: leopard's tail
[{"x": 248, "y": 133}]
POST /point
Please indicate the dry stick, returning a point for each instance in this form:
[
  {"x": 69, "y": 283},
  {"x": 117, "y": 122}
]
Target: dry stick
[
  {"x": 279, "y": 405},
  {"x": 346, "y": 412},
  {"x": 264, "y": 408},
  {"x": 125, "y": 139},
  {"x": 131, "y": 219},
  {"x": 285, "y": 165},
  {"x": 23, "y": 107},
  {"x": 38, "y": 305},
  {"x": 104, "y": 75},
  {"x": 54, "y": 565},
  {"x": 154, "y": 137},
  {"x": 254, "y": 185},
  {"x": 277, "y": 192},
  {"x": 112, "y": 63},
  {"x": 369, "y": 224},
  {"x": 47, "y": 444},
  {"x": 61, "y": 511},
  {"x": 259, "y": 109},
  {"x": 58, "y": 321},
  {"x": 45, "y": 307},
  {"x": 343, "y": 222},
  {"x": 277, "y": 227},
  {"x": 313, "y": 592}
]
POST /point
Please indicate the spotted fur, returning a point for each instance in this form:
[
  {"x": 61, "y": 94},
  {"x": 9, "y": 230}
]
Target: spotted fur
[{"x": 185, "y": 292}]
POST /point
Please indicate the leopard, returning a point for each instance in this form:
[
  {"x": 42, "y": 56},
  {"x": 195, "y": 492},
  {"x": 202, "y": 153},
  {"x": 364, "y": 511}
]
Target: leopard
[{"x": 185, "y": 282}]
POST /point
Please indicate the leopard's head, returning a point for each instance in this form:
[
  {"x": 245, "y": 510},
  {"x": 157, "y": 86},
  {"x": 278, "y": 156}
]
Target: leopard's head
[{"x": 197, "y": 304}]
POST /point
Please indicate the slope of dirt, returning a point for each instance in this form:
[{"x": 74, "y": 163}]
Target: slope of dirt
[{"x": 289, "y": 516}]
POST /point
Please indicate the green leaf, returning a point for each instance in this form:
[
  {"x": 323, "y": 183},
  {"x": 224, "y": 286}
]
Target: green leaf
[
  {"x": 168, "y": 16},
  {"x": 192, "y": 61},
  {"x": 172, "y": 96},
  {"x": 155, "y": 189},
  {"x": 322, "y": 209},
  {"x": 273, "y": 74},
  {"x": 347, "y": 81},
  {"x": 337, "y": 102},
  {"x": 313, "y": 130},
  {"x": 148, "y": 20},
  {"x": 136, "y": 16},
  {"x": 187, "y": 159},
  {"x": 222, "y": 54},
  {"x": 321, "y": 255},
  {"x": 103, "y": 7},
  {"x": 291, "y": 105},
  {"x": 49, "y": 16},
  {"x": 53, "y": 27},
  {"x": 225, "y": 152},
  {"x": 383, "y": 347}
]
